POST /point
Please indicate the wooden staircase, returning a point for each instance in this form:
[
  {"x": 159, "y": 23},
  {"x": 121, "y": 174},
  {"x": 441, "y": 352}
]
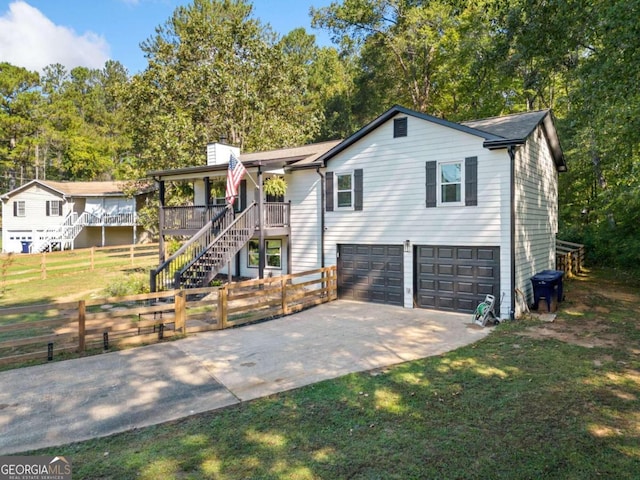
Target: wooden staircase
[
  {"x": 199, "y": 260},
  {"x": 63, "y": 235}
]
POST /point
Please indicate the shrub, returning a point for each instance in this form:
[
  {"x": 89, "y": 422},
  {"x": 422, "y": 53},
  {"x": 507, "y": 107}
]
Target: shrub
[{"x": 131, "y": 284}]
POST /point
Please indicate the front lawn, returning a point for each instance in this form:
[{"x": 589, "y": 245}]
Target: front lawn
[{"x": 532, "y": 400}]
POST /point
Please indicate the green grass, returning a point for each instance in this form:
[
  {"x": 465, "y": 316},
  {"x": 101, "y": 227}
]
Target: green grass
[{"x": 516, "y": 405}]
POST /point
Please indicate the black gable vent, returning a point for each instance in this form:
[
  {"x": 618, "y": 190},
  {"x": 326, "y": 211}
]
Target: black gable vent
[{"x": 400, "y": 127}]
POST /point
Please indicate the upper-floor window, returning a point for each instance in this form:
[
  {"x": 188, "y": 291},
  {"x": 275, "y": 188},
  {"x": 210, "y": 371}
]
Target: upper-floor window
[
  {"x": 344, "y": 190},
  {"x": 451, "y": 181},
  {"x": 19, "y": 208}
]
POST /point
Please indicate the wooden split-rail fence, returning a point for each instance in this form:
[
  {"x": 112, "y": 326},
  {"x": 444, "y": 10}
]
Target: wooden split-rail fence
[
  {"x": 569, "y": 257},
  {"x": 44, "y": 332}
]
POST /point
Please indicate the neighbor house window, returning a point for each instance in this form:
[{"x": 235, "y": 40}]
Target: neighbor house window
[
  {"x": 451, "y": 182},
  {"x": 344, "y": 190},
  {"x": 273, "y": 250},
  {"x": 54, "y": 208},
  {"x": 19, "y": 209}
]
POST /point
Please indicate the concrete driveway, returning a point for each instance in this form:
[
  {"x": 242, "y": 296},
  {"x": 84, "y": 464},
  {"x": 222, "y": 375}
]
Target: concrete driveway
[{"x": 74, "y": 400}]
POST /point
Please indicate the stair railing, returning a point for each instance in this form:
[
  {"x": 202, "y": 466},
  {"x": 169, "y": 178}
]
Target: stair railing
[
  {"x": 162, "y": 278},
  {"x": 221, "y": 250},
  {"x": 54, "y": 235}
]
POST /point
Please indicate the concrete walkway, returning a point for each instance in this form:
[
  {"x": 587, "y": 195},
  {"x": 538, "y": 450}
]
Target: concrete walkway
[{"x": 74, "y": 400}]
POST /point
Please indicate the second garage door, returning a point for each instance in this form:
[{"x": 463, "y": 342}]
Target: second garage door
[
  {"x": 456, "y": 278},
  {"x": 371, "y": 273}
]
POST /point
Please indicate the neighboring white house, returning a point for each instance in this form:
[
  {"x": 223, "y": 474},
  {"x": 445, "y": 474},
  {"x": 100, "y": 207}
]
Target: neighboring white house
[
  {"x": 45, "y": 215},
  {"x": 414, "y": 210}
]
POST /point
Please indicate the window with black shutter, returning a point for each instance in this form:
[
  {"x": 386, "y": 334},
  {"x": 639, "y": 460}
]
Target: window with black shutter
[
  {"x": 344, "y": 190},
  {"x": 452, "y": 183},
  {"x": 19, "y": 208}
]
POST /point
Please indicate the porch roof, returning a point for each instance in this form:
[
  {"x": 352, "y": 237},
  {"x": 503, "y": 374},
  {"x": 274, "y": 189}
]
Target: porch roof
[{"x": 272, "y": 159}]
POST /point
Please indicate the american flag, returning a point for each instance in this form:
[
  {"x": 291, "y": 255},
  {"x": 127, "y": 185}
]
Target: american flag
[{"x": 234, "y": 175}]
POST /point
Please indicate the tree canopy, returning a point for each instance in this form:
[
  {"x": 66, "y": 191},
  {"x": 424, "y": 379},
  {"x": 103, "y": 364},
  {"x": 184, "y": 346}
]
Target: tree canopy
[{"x": 215, "y": 70}]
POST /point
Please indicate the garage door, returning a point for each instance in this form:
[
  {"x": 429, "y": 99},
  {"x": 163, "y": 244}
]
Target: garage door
[
  {"x": 456, "y": 278},
  {"x": 371, "y": 273}
]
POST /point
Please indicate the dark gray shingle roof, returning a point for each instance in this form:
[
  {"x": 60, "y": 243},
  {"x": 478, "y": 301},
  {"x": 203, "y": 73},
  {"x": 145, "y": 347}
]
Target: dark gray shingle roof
[{"x": 510, "y": 127}]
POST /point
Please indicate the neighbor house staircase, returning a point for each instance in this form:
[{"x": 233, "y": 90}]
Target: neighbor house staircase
[
  {"x": 199, "y": 260},
  {"x": 62, "y": 236}
]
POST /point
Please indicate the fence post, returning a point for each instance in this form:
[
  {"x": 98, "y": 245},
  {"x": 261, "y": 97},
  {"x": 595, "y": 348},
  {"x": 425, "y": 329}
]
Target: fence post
[
  {"x": 82, "y": 318},
  {"x": 152, "y": 280},
  {"x": 180, "y": 307},
  {"x": 333, "y": 281},
  {"x": 222, "y": 308},
  {"x": 43, "y": 267},
  {"x": 283, "y": 286}
]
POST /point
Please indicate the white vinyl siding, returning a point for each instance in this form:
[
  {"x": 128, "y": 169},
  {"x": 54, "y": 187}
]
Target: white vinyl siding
[
  {"x": 536, "y": 200},
  {"x": 394, "y": 198},
  {"x": 304, "y": 193}
]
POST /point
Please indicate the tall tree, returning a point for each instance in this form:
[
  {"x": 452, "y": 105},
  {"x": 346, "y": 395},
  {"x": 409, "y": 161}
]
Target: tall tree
[
  {"x": 431, "y": 56},
  {"x": 20, "y": 102},
  {"x": 215, "y": 71}
]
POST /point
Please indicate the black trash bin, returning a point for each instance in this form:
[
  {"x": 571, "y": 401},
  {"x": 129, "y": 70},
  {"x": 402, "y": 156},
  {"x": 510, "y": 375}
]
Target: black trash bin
[
  {"x": 25, "y": 246},
  {"x": 545, "y": 284}
]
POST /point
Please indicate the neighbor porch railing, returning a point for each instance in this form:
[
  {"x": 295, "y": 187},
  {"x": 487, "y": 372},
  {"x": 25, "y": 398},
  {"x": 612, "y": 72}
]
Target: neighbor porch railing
[{"x": 94, "y": 219}]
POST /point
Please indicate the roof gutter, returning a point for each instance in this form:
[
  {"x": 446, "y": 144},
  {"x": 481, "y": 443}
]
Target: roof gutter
[{"x": 497, "y": 144}]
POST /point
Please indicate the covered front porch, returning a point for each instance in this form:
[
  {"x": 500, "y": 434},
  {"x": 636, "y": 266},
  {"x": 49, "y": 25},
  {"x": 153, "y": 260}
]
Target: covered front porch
[{"x": 212, "y": 235}]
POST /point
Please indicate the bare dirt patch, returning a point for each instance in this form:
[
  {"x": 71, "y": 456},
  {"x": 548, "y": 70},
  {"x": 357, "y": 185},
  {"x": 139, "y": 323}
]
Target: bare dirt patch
[{"x": 584, "y": 318}]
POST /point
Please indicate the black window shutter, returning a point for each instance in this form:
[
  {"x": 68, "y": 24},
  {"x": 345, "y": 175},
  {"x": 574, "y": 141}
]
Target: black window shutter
[
  {"x": 242, "y": 203},
  {"x": 400, "y": 127},
  {"x": 357, "y": 177},
  {"x": 432, "y": 184},
  {"x": 59, "y": 208},
  {"x": 471, "y": 181},
  {"x": 48, "y": 208},
  {"x": 15, "y": 209},
  {"x": 328, "y": 198}
]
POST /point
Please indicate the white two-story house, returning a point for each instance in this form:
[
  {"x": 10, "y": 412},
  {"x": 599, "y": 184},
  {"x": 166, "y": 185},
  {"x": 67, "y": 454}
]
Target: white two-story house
[{"x": 45, "y": 215}]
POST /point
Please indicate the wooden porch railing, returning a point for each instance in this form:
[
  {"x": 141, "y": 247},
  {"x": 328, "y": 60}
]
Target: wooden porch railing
[
  {"x": 277, "y": 214},
  {"x": 189, "y": 217}
]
